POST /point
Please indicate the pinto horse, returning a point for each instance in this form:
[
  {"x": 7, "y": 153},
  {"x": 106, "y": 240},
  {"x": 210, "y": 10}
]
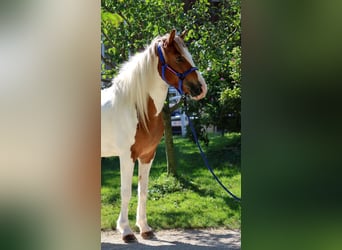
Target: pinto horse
[{"x": 131, "y": 119}]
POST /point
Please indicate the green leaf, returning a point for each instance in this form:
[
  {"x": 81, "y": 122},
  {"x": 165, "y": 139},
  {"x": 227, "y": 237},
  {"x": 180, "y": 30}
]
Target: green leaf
[{"x": 111, "y": 18}]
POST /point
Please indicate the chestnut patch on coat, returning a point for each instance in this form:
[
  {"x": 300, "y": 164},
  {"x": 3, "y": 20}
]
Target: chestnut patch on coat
[{"x": 146, "y": 142}]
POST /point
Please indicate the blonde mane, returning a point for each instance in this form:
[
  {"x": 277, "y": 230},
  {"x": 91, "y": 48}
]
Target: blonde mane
[{"x": 136, "y": 77}]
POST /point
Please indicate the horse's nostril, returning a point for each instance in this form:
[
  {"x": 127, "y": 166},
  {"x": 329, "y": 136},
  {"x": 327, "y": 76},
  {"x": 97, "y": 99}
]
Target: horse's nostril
[
  {"x": 199, "y": 88},
  {"x": 196, "y": 89}
]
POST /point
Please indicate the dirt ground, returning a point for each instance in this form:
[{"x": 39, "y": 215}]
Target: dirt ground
[{"x": 177, "y": 239}]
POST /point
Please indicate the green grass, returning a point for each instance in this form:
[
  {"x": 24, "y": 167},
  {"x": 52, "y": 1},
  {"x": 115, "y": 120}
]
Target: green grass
[{"x": 193, "y": 199}]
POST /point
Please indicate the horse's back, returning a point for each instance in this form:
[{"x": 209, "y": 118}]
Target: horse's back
[{"x": 118, "y": 123}]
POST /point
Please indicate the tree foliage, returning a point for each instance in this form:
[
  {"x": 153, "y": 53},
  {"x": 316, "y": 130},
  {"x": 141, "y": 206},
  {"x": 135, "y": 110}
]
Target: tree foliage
[
  {"x": 216, "y": 36},
  {"x": 213, "y": 39},
  {"x": 128, "y": 26}
]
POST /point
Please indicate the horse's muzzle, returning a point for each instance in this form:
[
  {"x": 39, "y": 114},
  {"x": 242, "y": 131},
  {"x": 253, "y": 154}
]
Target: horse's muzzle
[
  {"x": 197, "y": 90},
  {"x": 194, "y": 89}
]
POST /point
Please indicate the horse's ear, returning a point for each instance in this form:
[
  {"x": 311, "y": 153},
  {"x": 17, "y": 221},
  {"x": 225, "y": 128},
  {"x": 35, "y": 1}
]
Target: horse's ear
[
  {"x": 171, "y": 37},
  {"x": 183, "y": 34}
]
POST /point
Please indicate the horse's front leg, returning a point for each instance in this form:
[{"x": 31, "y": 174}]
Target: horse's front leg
[
  {"x": 144, "y": 171},
  {"x": 126, "y": 173}
]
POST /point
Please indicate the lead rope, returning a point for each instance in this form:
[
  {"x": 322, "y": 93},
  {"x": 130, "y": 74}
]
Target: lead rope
[
  {"x": 205, "y": 160},
  {"x": 181, "y": 77}
]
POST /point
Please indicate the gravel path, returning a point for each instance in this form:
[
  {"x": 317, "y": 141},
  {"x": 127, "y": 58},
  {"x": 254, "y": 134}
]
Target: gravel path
[{"x": 177, "y": 239}]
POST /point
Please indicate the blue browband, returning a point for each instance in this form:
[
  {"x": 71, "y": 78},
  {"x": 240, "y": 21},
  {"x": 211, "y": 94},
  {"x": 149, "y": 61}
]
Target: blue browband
[{"x": 181, "y": 76}]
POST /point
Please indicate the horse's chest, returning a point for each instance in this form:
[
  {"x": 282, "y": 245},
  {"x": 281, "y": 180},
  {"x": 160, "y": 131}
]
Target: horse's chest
[{"x": 146, "y": 142}]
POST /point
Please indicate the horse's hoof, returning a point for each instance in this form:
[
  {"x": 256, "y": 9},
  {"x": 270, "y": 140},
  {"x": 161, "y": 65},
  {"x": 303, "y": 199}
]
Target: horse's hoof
[
  {"x": 129, "y": 238},
  {"x": 147, "y": 235}
]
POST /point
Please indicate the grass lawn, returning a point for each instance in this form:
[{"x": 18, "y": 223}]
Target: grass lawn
[{"x": 193, "y": 199}]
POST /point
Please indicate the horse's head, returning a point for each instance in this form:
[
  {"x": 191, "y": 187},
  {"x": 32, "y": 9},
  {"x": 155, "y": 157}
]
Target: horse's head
[{"x": 177, "y": 68}]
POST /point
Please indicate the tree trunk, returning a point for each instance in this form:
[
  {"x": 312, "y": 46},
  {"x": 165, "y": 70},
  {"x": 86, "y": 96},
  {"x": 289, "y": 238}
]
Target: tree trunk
[{"x": 169, "y": 149}]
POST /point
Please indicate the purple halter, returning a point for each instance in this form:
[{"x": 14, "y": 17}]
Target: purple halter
[{"x": 181, "y": 76}]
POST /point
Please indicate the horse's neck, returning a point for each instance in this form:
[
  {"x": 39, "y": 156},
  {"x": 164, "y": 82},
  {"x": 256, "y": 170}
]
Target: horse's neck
[
  {"x": 149, "y": 84},
  {"x": 157, "y": 87},
  {"x": 158, "y": 94}
]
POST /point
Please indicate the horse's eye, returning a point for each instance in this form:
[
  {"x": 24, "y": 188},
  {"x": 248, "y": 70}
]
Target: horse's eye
[{"x": 179, "y": 59}]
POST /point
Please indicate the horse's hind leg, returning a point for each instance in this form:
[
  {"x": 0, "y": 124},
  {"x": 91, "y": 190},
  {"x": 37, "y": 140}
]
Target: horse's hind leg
[
  {"x": 144, "y": 170},
  {"x": 126, "y": 172}
]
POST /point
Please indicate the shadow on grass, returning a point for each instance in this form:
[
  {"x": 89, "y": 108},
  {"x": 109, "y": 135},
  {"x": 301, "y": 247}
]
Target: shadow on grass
[
  {"x": 110, "y": 172},
  {"x": 224, "y": 156},
  {"x": 230, "y": 201},
  {"x": 222, "y": 153}
]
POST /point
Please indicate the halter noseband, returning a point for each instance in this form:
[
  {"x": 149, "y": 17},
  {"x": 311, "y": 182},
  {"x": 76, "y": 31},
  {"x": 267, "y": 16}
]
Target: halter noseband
[{"x": 181, "y": 76}]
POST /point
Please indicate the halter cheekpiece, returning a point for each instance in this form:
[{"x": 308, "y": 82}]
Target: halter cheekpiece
[{"x": 181, "y": 76}]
